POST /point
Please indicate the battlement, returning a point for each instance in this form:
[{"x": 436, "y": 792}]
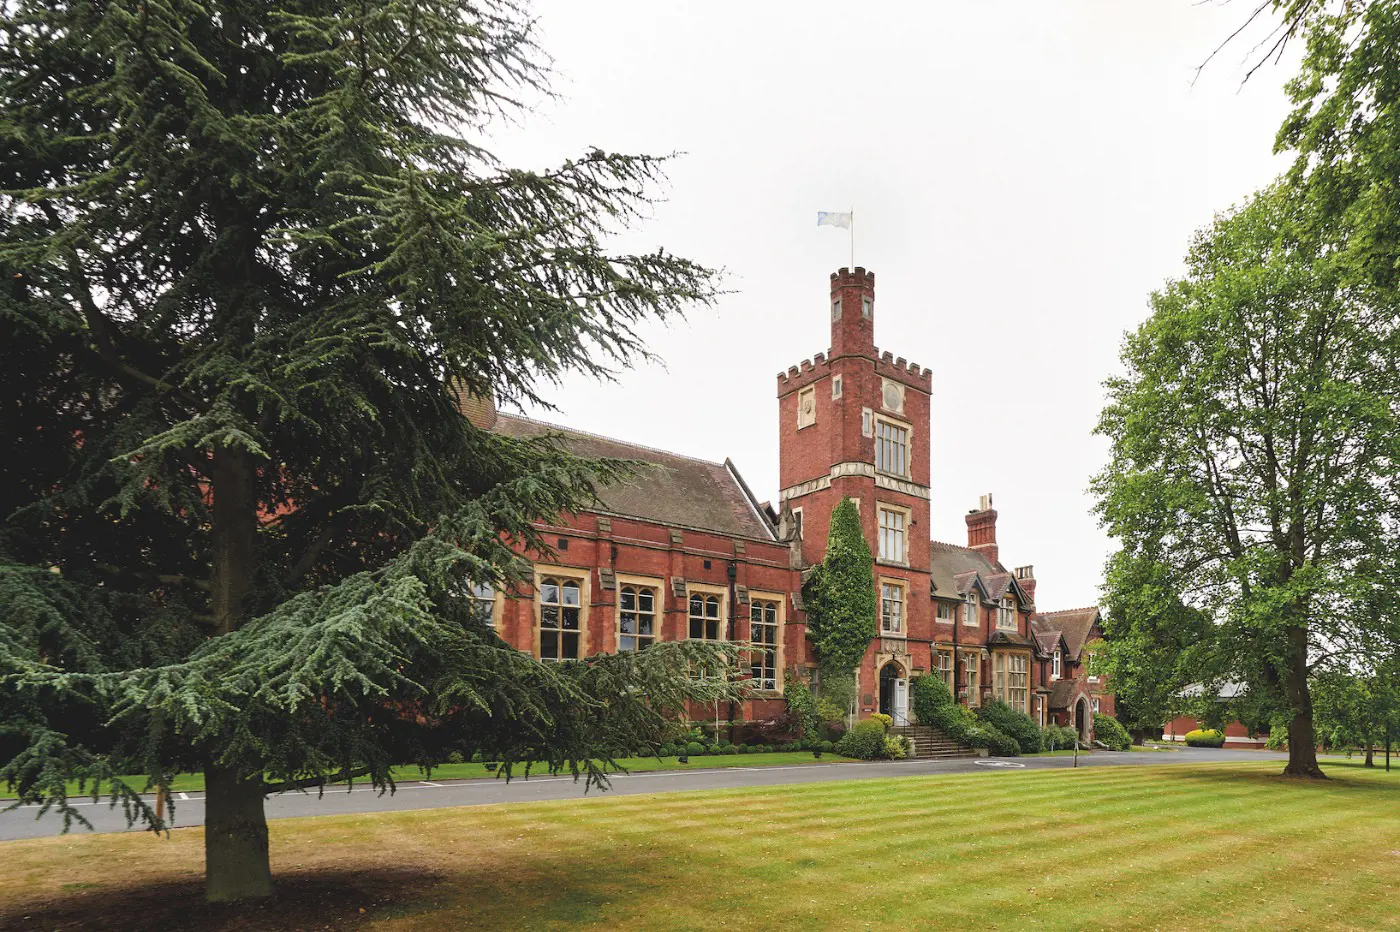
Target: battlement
[
  {"x": 909, "y": 373},
  {"x": 804, "y": 373}
]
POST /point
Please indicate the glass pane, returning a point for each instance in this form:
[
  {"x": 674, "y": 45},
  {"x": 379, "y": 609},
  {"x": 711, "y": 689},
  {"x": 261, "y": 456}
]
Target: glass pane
[
  {"x": 697, "y": 605},
  {"x": 549, "y": 646},
  {"x": 712, "y": 607},
  {"x": 570, "y": 593},
  {"x": 697, "y": 627},
  {"x": 570, "y": 646},
  {"x": 712, "y": 630},
  {"x": 482, "y": 591},
  {"x": 627, "y": 643},
  {"x": 629, "y": 599},
  {"x": 645, "y": 600},
  {"x": 645, "y": 625},
  {"x": 629, "y": 623},
  {"x": 571, "y": 618},
  {"x": 549, "y": 616},
  {"x": 549, "y": 591}
]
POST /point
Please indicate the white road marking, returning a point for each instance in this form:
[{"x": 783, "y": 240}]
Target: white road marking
[
  {"x": 184, "y": 795},
  {"x": 426, "y": 783},
  {"x": 999, "y": 763}
]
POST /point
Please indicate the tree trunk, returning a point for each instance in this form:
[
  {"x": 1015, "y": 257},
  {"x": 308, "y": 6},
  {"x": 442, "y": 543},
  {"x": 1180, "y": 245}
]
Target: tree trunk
[
  {"x": 1370, "y": 754},
  {"x": 236, "y": 865},
  {"x": 1302, "y": 740}
]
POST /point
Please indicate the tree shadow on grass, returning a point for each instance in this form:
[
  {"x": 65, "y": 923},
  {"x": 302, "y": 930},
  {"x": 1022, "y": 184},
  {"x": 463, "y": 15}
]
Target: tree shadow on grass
[
  {"x": 305, "y": 900},
  {"x": 1341, "y": 776}
]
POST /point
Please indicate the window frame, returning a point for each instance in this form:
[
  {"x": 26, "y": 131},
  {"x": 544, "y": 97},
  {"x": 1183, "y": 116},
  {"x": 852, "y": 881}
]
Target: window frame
[
  {"x": 779, "y": 600},
  {"x": 1006, "y": 614},
  {"x": 706, "y": 591},
  {"x": 837, "y": 387},
  {"x": 906, "y": 515},
  {"x": 1056, "y": 667},
  {"x": 879, "y": 421},
  {"x": 583, "y": 579},
  {"x": 972, "y": 605},
  {"x": 477, "y": 600},
  {"x": 658, "y": 611},
  {"x": 972, "y": 675},
  {"x": 902, "y": 585},
  {"x": 946, "y": 673},
  {"x": 945, "y": 612}
]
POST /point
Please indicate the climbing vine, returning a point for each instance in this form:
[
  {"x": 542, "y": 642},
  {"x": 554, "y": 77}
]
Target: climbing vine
[{"x": 841, "y": 605}]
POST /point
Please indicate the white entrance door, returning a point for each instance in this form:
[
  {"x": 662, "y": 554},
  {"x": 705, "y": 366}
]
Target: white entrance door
[{"x": 901, "y": 701}]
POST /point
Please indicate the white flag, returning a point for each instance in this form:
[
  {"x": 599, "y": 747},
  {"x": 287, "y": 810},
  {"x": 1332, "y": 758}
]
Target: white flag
[{"x": 826, "y": 218}]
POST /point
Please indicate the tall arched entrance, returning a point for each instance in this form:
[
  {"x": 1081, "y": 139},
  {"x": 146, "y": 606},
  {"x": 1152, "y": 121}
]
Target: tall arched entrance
[
  {"x": 1084, "y": 718},
  {"x": 894, "y": 693}
]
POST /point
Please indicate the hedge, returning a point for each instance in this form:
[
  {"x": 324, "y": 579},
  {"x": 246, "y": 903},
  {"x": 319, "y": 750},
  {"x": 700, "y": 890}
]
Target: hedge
[
  {"x": 1110, "y": 733},
  {"x": 1205, "y": 739},
  {"x": 1019, "y": 726},
  {"x": 1059, "y": 737}
]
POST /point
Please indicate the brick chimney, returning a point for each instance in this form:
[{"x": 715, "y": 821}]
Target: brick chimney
[
  {"x": 1025, "y": 578},
  {"x": 852, "y": 313},
  {"x": 982, "y": 528}
]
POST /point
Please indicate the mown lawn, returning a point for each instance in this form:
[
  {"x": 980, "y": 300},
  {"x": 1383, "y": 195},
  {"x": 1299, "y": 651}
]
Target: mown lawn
[
  {"x": 1214, "y": 846},
  {"x": 194, "y": 782}
]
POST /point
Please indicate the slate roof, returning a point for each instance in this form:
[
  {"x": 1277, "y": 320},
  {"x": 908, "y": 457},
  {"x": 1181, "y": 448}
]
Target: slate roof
[
  {"x": 1049, "y": 640},
  {"x": 1073, "y": 625},
  {"x": 1009, "y": 637},
  {"x": 954, "y": 568},
  {"x": 679, "y": 491}
]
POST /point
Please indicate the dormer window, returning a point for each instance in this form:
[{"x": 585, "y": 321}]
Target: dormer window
[
  {"x": 1006, "y": 614},
  {"x": 970, "y": 609},
  {"x": 1055, "y": 666}
]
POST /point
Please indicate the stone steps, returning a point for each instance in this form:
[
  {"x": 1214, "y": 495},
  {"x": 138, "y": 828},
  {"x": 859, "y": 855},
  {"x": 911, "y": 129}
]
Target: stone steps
[{"x": 932, "y": 744}]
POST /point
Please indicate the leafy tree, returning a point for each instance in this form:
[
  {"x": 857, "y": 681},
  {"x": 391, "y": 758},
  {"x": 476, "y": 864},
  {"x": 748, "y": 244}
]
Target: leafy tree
[
  {"x": 245, "y": 250},
  {"x": 1358, "y": 708},
  {"x": 841, "y": 607},
  {"x": 1252, "y": 474}
]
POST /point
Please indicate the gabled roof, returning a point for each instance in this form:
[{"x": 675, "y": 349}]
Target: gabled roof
[
  {"x": 1049, "y": 640},
  {"x": 1009, "y": 637},
  {"x": 1073, "y": 624},
  {"x": 954, "y": 567},
  {"x": 1062, "y": 693},
  {"x": 680, "y": 491}
]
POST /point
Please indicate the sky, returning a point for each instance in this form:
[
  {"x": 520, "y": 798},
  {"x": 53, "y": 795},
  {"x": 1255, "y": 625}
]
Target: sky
[{"x": 1023, "y": 174}]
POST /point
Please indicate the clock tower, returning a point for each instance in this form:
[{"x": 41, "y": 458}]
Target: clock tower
[{"x": 854, "y": 423}]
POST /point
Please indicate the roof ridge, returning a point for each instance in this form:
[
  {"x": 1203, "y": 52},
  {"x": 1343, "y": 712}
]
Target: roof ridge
[
  {"x": 944, "y": 543},
  {"x": 1066, "y": 611},
  {"x": 589, "y": 433}
]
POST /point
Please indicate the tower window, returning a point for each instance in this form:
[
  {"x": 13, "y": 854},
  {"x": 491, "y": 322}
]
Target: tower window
[
  {"x": 836, "y": 386},
  {"x": 891, "y": 608},
  {"x": 892, "y": 534},
  {"x": 865, "y": 307},
  {"x": 836, "y": 310},
  {"x": 891, "y": 449}
]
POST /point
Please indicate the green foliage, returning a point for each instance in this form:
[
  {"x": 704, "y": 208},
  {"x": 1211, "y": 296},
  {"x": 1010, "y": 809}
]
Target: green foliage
[
  {"x": 841, "y": 605},
  {"x": 1019, "y": 726},
  {"x": 248, "y": 252},
  {"x": 1111, "y": 733},
  {"x": 865, "y": 741},
  {"x": 694, "y": 749},
  {"x": 1254, "y": 438},
  {"x": 885, "y": 721},
  {"x": 897, "y": 747},
  {"x": 802, "y": 706},
  {"x": 929, "y": 694},
  {"x": 1058, "y": 737},
  {"x": 1278, "y": 739},
  {"x": 1205, "y": 738}
]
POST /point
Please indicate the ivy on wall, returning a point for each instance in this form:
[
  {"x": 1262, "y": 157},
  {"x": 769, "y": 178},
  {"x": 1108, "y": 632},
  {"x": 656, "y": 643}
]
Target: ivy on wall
[{"x": 841, "y": 605}]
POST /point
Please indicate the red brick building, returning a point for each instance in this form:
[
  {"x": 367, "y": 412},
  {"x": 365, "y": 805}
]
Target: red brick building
[{"x": 686, "y": 550}]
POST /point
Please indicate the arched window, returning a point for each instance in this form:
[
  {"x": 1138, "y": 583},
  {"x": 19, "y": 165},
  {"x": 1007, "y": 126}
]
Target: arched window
[
  {"x": 559, "y": 619},
  {"x": 704, "y": 616},
  {"x": 637, "y": 618},
  {"x": 763, "y": 637}
]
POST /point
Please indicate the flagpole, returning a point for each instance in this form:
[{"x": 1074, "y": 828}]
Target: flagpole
[{"x": 853, "y": 239}]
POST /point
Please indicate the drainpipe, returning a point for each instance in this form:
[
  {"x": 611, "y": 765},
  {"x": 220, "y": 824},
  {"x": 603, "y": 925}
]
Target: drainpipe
[{"x": 957, "y": 655}]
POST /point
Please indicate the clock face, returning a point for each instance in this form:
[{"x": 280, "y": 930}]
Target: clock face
[{"x": 894, "y": 398}]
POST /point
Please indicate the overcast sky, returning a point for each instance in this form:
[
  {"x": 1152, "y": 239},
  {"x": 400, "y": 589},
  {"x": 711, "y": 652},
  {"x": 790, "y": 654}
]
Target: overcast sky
[{"x": 1023, "y": 174}]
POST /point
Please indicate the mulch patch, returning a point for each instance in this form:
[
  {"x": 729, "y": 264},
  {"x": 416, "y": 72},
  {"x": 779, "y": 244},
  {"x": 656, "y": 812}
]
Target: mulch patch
[{"x": 305, "y": 901}]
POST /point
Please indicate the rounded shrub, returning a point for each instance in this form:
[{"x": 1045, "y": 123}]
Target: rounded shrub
[
  {"x": 1017, "y": 725},
  {"x": 714, "y": 750},
  {"x": 929, "y": 694},
  {"x": 1205, "y": 738},
  {"x": 827, "y": 747},
  {"x": 741, "y": 749},
  {"x": 1113, "y": 735},
  {"x": 865, "y": 741},
  {"x": 694, "y": 749},
  {"x": 666, "y": 750},
  {"x": 730, "y": 749},
  {"x": 885, "y": 721}
]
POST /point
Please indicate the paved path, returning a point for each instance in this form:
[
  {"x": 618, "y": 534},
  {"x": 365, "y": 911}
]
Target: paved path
[{"x": 189, "y": 807}]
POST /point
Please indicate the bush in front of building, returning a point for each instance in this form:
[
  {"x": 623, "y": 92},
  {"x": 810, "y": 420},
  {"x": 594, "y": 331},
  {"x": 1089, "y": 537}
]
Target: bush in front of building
[
  {"x": 1109, "y": 732},
  {"x": 694, "y": 749},
  {"x": 1017, "y": 725},
  {"x": 898, "y": 747},
  {"x": 1205, "y": 738},
  {"x": 865, "y": 741},
  {"x": 1058, "y": 737},
  {"x": 934, "y": 705}
]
